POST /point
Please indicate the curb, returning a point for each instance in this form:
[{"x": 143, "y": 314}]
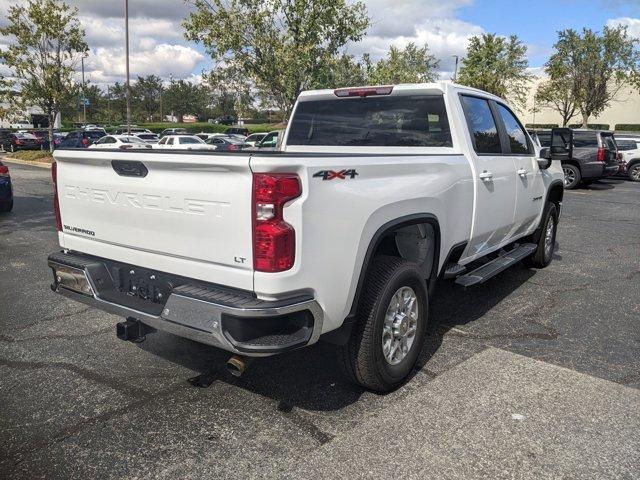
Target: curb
[{"x": 25, "y": 162}]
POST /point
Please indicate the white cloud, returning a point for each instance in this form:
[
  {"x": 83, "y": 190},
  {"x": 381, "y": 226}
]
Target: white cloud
[
  {"x": 632, "y": 24},
  {"x": 432, "y": 22},
  {"x": 108, "y": 64}
]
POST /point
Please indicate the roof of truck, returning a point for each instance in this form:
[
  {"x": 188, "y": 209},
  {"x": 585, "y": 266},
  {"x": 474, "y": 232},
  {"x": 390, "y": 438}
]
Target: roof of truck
[{"x": 402, "y": 88}]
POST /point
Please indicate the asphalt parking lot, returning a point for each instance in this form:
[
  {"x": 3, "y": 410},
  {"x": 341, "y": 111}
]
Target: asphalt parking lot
[{"x": 535, "y": 374}]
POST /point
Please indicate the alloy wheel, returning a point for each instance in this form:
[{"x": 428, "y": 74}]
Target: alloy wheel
[{"x": 400, "y": 325}]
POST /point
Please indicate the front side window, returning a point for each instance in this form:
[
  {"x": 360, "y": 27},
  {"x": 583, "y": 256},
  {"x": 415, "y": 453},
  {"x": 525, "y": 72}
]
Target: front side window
[
  {"x": 515, "y": 132},
  {"x": 184, "y": 140},
  {"x": 381, "y": 121},
  {"x": 481, "y": 124}
]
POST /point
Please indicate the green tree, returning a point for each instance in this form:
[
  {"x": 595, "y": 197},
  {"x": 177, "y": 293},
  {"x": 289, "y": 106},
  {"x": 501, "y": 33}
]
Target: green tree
[
  {"x": 146, "y": 94},
  {"x": 117, "y": 103},
  {"x": 557, "y": 94},
  {"x": 341, "y": 71},
  {"x": 49, "y": 42},
  {"x": 412, "y": 64},
  {"x": 598, "y": 66},
  {"x": 185, "y": 98},
  {"x": 281, "y": 46},
  {"x": 497, "y": 65}
]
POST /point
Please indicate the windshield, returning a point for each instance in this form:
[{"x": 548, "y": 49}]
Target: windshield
[
  {"x": 398, "y": 120},
  {"x": 130, "y": 140},
  {"x": 190, "y": 140}
]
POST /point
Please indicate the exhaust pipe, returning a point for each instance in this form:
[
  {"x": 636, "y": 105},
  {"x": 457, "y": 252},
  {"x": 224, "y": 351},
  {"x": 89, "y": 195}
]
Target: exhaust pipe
[{"x": 237, "y": 364}]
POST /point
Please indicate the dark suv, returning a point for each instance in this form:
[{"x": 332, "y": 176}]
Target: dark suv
[
  {"x": 587, "y": 155},
  {"x": 81, "y": 138}
]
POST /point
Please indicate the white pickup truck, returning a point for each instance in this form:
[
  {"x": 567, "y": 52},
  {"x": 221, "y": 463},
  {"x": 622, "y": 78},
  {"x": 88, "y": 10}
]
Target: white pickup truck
[{"x": 376, "y": 193}]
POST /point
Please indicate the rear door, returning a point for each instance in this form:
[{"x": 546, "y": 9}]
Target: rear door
[
  {"x": 529, "y": 183},
  {"x": 495, "y": 177},
  {"x": 184, "y": 213}
]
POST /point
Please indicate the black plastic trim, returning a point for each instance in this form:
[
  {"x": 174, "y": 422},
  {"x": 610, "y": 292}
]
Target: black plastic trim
[{"x": 375, "y": 242}]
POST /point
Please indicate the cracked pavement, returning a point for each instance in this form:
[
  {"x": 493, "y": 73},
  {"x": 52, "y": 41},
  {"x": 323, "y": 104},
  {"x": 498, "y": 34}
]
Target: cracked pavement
[{"x": 75, "y": 402}]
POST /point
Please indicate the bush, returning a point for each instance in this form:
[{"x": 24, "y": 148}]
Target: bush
[
  {"x": 628, "y": 127},
  {"x": 43, "y": 156},
  {"x": 541, "y": 125},
  {"x": 592, "y": 126}
]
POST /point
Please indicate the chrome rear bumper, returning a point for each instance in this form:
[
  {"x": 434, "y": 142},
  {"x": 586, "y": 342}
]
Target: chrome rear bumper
[{"x": 233, "y": 320}]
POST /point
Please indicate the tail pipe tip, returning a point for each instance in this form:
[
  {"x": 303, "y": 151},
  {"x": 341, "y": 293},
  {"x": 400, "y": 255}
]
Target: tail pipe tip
[{"x": 237, "y": 364}]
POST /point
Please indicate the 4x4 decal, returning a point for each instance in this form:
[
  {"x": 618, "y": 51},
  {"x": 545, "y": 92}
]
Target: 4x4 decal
[{"x": 340, "y": 174}]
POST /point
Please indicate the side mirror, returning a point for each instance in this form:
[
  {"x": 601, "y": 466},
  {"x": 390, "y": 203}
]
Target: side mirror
[{"x": 544, "y": 158}]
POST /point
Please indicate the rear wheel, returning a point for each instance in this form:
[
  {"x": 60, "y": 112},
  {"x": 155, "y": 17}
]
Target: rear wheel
[
  {"x": 634, "y": 172},
  {"x": 547, "y": 238},
  {"x": 571, "y": 176},
  {"x": 390, "y": 328},
  {"x": 6, "y": 206}
]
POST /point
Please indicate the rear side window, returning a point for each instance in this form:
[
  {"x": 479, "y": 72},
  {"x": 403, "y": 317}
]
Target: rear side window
[
  {"x": 585, "y": 139},
  {"x": 481, "y": 124},
  {"x": 517, "y": 138},
  {"x": 545, "y": 139},
  {"x": 625, "y": 145},
  {"x": 384, "y": 121}
]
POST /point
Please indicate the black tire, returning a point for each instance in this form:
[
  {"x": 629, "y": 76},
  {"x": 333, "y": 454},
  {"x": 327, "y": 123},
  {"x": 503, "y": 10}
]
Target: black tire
[
  {"x": 634, "y": 172},
  {"x": 362, "y": 358},
  {"x": 6, "y": 206},
  {"x": 542, "y": 257},
  {"x": 571, "y": 172}
]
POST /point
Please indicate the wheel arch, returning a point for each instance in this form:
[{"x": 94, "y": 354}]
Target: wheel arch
[{"x": 377, "y": 240}]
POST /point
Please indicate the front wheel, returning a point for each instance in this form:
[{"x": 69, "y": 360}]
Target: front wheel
[
  {"x": 390, "y": 327},
  {"x": 634, "y": 172},
  {"x": 572, "y": 176},
  {"x": 547, "y": 238}
]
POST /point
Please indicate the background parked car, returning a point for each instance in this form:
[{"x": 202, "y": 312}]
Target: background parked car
[
  {"x": 225, "y": 120},
  {"x": 253, "y": 139},
  {"x": 174, "y": 131},
  {"x": 6, "y": 189},
  {"x": 237, "y": 131},
  {"x": 123, "y": 130},
  {"x": 43, "y": 137},
  {"x": 629, "y": 150},
  {"x": 80, "y": 138},
  {"x": 121, "y": 142},
  {"x": 271, "y": 141},
  {"x": 19, "y": 141},
  {"x": 58, "y": 137},
  {"x": 148, "y": 137},
  {"x": 21, "y": 124},
  {"x": 590, "y": 154},
  {"x": 225, "y": 143},
  {"x": 182, "y": 142}
]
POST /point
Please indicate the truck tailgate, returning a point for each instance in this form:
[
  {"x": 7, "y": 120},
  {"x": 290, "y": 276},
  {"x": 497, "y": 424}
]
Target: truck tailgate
[{"x": 184, "y": 213}]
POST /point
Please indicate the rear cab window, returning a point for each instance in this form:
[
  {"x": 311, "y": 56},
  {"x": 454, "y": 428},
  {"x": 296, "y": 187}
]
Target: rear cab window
[{"x": 405, "y": 120}]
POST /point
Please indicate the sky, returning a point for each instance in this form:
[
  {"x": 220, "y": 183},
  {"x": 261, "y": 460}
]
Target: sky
[{"x": 158, "y": 46}]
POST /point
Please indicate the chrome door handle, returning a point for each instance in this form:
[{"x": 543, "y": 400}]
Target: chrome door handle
[
  {"x": 486, "y": 176},
  {"x": 522, "y": 172}
]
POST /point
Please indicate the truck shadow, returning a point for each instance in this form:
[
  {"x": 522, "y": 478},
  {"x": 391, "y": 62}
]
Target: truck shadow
[{"x": 310, "y": 378}]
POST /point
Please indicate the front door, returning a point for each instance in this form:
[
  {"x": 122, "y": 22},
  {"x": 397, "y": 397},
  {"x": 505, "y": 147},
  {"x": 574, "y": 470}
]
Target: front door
[{"x": 529, "y": 183}]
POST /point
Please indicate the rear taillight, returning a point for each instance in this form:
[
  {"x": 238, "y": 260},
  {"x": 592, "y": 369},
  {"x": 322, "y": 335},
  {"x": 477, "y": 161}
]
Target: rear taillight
[
  {"x": 602, "y": 155},
  {"x": 18, "y": 142},
  {"x": 4, "y": 170},
  {"x": 274, "y": 240},
  {"x": 233, "y": 147},
  {"x": 56, "y": 204},
  {"x": 86, "y": 142}
]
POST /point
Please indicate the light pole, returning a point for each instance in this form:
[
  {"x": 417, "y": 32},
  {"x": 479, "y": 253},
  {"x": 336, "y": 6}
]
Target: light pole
[
  {"x": 455, "y": 72},
  {"x": 84, "y": 95},
  {"x": 126, "y": 34}
]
